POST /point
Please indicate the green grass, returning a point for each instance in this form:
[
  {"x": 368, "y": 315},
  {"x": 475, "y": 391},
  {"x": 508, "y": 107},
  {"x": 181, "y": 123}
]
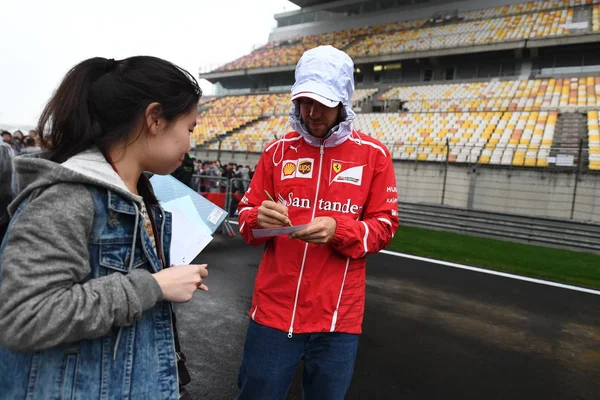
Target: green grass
[{"x": 582, "y": 269}]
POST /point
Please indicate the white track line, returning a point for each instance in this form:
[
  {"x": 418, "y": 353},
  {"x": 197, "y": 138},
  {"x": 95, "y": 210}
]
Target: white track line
[
  {"x": 485, "y": 271},
  {"x": 491, "y": 272}
]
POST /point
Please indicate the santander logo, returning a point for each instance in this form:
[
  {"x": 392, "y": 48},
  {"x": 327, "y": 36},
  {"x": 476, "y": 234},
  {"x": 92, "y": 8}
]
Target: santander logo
[
  {"x": 292, "y": 201},
  {"x": 344, "y": 207}
]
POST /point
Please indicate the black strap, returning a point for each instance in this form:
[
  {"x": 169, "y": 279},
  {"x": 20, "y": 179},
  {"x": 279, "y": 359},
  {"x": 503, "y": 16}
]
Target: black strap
[
  {"x": 175, "y": 334},
  {"x": 184, "y": 374}
]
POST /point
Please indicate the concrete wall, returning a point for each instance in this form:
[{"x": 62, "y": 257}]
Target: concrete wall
[
  {"x": 382, "y": 18},
  {"x": 522, "y": 191}
]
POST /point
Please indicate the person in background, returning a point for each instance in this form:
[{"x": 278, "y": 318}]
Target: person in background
[
  {"x": 17, "y": 141},
  {"x": 17, "y": 145},
  {"x": 197, "y": 166},
  {"x": 213, "y": 171},
  {"x": 204, "y": 183},
  {"x": 86, "y": 296},
  {"x": 228, "y": 174},
  {"x": 309, "y": 293},
  {"x": 7, "y": 137},
  {"x": 244, "y": 174},
  {"x": 34, "y": 135},
  {"x": 185, "y": 171},
  {"x": 30, "y": 146}
]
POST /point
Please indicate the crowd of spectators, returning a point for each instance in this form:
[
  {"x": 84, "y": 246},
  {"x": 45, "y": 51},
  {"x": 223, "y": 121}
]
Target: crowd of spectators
[
  {"x": 20, "y": 143},
  {"x": 215, "y": 177},
  {"x": 202, "y": 176}
]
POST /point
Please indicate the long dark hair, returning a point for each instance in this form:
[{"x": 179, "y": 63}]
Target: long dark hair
[{"x": 100, "y": 100}]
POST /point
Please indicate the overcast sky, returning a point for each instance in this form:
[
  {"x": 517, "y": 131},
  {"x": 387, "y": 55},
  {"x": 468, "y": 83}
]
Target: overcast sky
[{"x": 43, "y": 39}]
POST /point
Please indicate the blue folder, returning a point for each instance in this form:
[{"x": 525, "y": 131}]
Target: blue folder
[{"x": 167, "y": 188}]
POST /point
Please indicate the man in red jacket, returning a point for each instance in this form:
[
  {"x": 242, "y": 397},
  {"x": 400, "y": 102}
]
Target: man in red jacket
[{"x": 309, "y": 292}]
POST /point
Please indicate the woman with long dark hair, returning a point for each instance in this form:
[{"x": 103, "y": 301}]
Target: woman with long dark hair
[{"x": 85, "y": 281}]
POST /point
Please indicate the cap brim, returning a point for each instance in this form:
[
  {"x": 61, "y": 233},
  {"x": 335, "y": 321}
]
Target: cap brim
[{"x": 323, "y": 100}]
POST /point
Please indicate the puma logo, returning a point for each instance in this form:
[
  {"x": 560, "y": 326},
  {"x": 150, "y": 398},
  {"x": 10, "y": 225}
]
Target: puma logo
[{"x": 295, "y": 148}]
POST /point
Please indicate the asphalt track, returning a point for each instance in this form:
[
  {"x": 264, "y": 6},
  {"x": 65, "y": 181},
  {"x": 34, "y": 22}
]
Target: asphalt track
[{"x": 430, "y": 332}]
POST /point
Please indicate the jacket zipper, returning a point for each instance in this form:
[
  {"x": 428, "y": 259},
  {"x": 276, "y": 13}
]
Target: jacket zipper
[{"x": 321, "y": 151}]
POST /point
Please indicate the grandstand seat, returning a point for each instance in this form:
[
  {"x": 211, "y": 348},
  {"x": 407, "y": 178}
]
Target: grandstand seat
[
  {"x": 208, "y": 127},
  {"x": 510, "y": 122},
  {"x": 535, "y": 19},
  {"x": 255, "y": 137}
]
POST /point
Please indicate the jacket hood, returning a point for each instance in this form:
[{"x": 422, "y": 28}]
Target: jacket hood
[
  {"x": 90, "y": 167},
  {"x": 330, "y": 71}
]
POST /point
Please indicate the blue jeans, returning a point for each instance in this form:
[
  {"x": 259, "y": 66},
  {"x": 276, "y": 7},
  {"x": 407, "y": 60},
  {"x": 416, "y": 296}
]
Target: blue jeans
[{"x": 270, "y": 360}]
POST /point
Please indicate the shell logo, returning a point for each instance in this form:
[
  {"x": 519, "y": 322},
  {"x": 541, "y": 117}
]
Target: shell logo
[{"x": 289, "y": 169}]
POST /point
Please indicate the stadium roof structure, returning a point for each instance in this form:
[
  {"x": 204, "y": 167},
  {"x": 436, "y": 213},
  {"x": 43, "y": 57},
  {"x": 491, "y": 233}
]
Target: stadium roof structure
[
  {"x": 278, "y": 74},
  {"x": 312, "y": 3}
]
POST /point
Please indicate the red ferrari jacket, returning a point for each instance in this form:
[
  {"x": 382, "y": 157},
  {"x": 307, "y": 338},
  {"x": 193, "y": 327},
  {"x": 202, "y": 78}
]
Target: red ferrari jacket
[{"x": 306, "y": 288}]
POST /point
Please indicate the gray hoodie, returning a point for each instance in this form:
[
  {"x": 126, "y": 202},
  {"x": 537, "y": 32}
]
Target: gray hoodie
[{"x": 45, "y": 259}]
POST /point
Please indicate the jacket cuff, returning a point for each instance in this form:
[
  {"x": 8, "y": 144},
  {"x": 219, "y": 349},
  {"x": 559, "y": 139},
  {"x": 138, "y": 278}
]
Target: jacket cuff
[
  {"x": 252, "y": 218},
  {"x": 147, "y": 289},
  {"x": 343, "y": 230}
]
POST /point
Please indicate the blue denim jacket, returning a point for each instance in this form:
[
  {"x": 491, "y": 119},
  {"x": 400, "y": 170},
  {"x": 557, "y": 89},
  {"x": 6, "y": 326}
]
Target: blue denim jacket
[{"x": 132, "y": 362}]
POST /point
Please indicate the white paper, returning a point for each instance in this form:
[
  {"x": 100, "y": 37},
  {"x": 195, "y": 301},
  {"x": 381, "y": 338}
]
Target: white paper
[
  {"x": 188, "y": 238},
  {"x": 261, "y": 233},
  {"x": 186, "y": 206}
]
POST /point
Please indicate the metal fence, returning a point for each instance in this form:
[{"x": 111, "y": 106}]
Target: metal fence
[{"x": 223, "y": 192}]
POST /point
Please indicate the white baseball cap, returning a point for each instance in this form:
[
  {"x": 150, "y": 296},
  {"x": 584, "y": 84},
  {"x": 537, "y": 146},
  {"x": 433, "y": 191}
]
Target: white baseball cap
[{"x": 324, "y": 74}]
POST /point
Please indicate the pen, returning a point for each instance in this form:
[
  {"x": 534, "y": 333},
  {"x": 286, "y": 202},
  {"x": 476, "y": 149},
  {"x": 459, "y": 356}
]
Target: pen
[{"x": 270, "y": 198}]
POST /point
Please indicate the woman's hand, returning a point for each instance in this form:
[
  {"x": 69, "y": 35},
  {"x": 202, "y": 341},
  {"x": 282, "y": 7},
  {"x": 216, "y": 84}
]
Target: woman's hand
[{"x": 179, "y": 282}]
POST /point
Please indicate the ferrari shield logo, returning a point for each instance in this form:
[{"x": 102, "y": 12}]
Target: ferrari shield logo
[{"x": 345, "y": 172}]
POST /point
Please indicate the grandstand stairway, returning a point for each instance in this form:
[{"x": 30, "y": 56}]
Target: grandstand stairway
[
  {"x": 570, "y": 129},
  {"x": 367, "y": 105},
  {"x": 354, "y": 40},
  {"x": 582, "y": 14}
]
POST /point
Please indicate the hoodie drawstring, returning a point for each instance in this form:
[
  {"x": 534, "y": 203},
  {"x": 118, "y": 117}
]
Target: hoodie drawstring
[
  {"x": 358, "y": 138},
  {"x": 281, "y": 142},
  {"x": 129, "y": 267}
]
